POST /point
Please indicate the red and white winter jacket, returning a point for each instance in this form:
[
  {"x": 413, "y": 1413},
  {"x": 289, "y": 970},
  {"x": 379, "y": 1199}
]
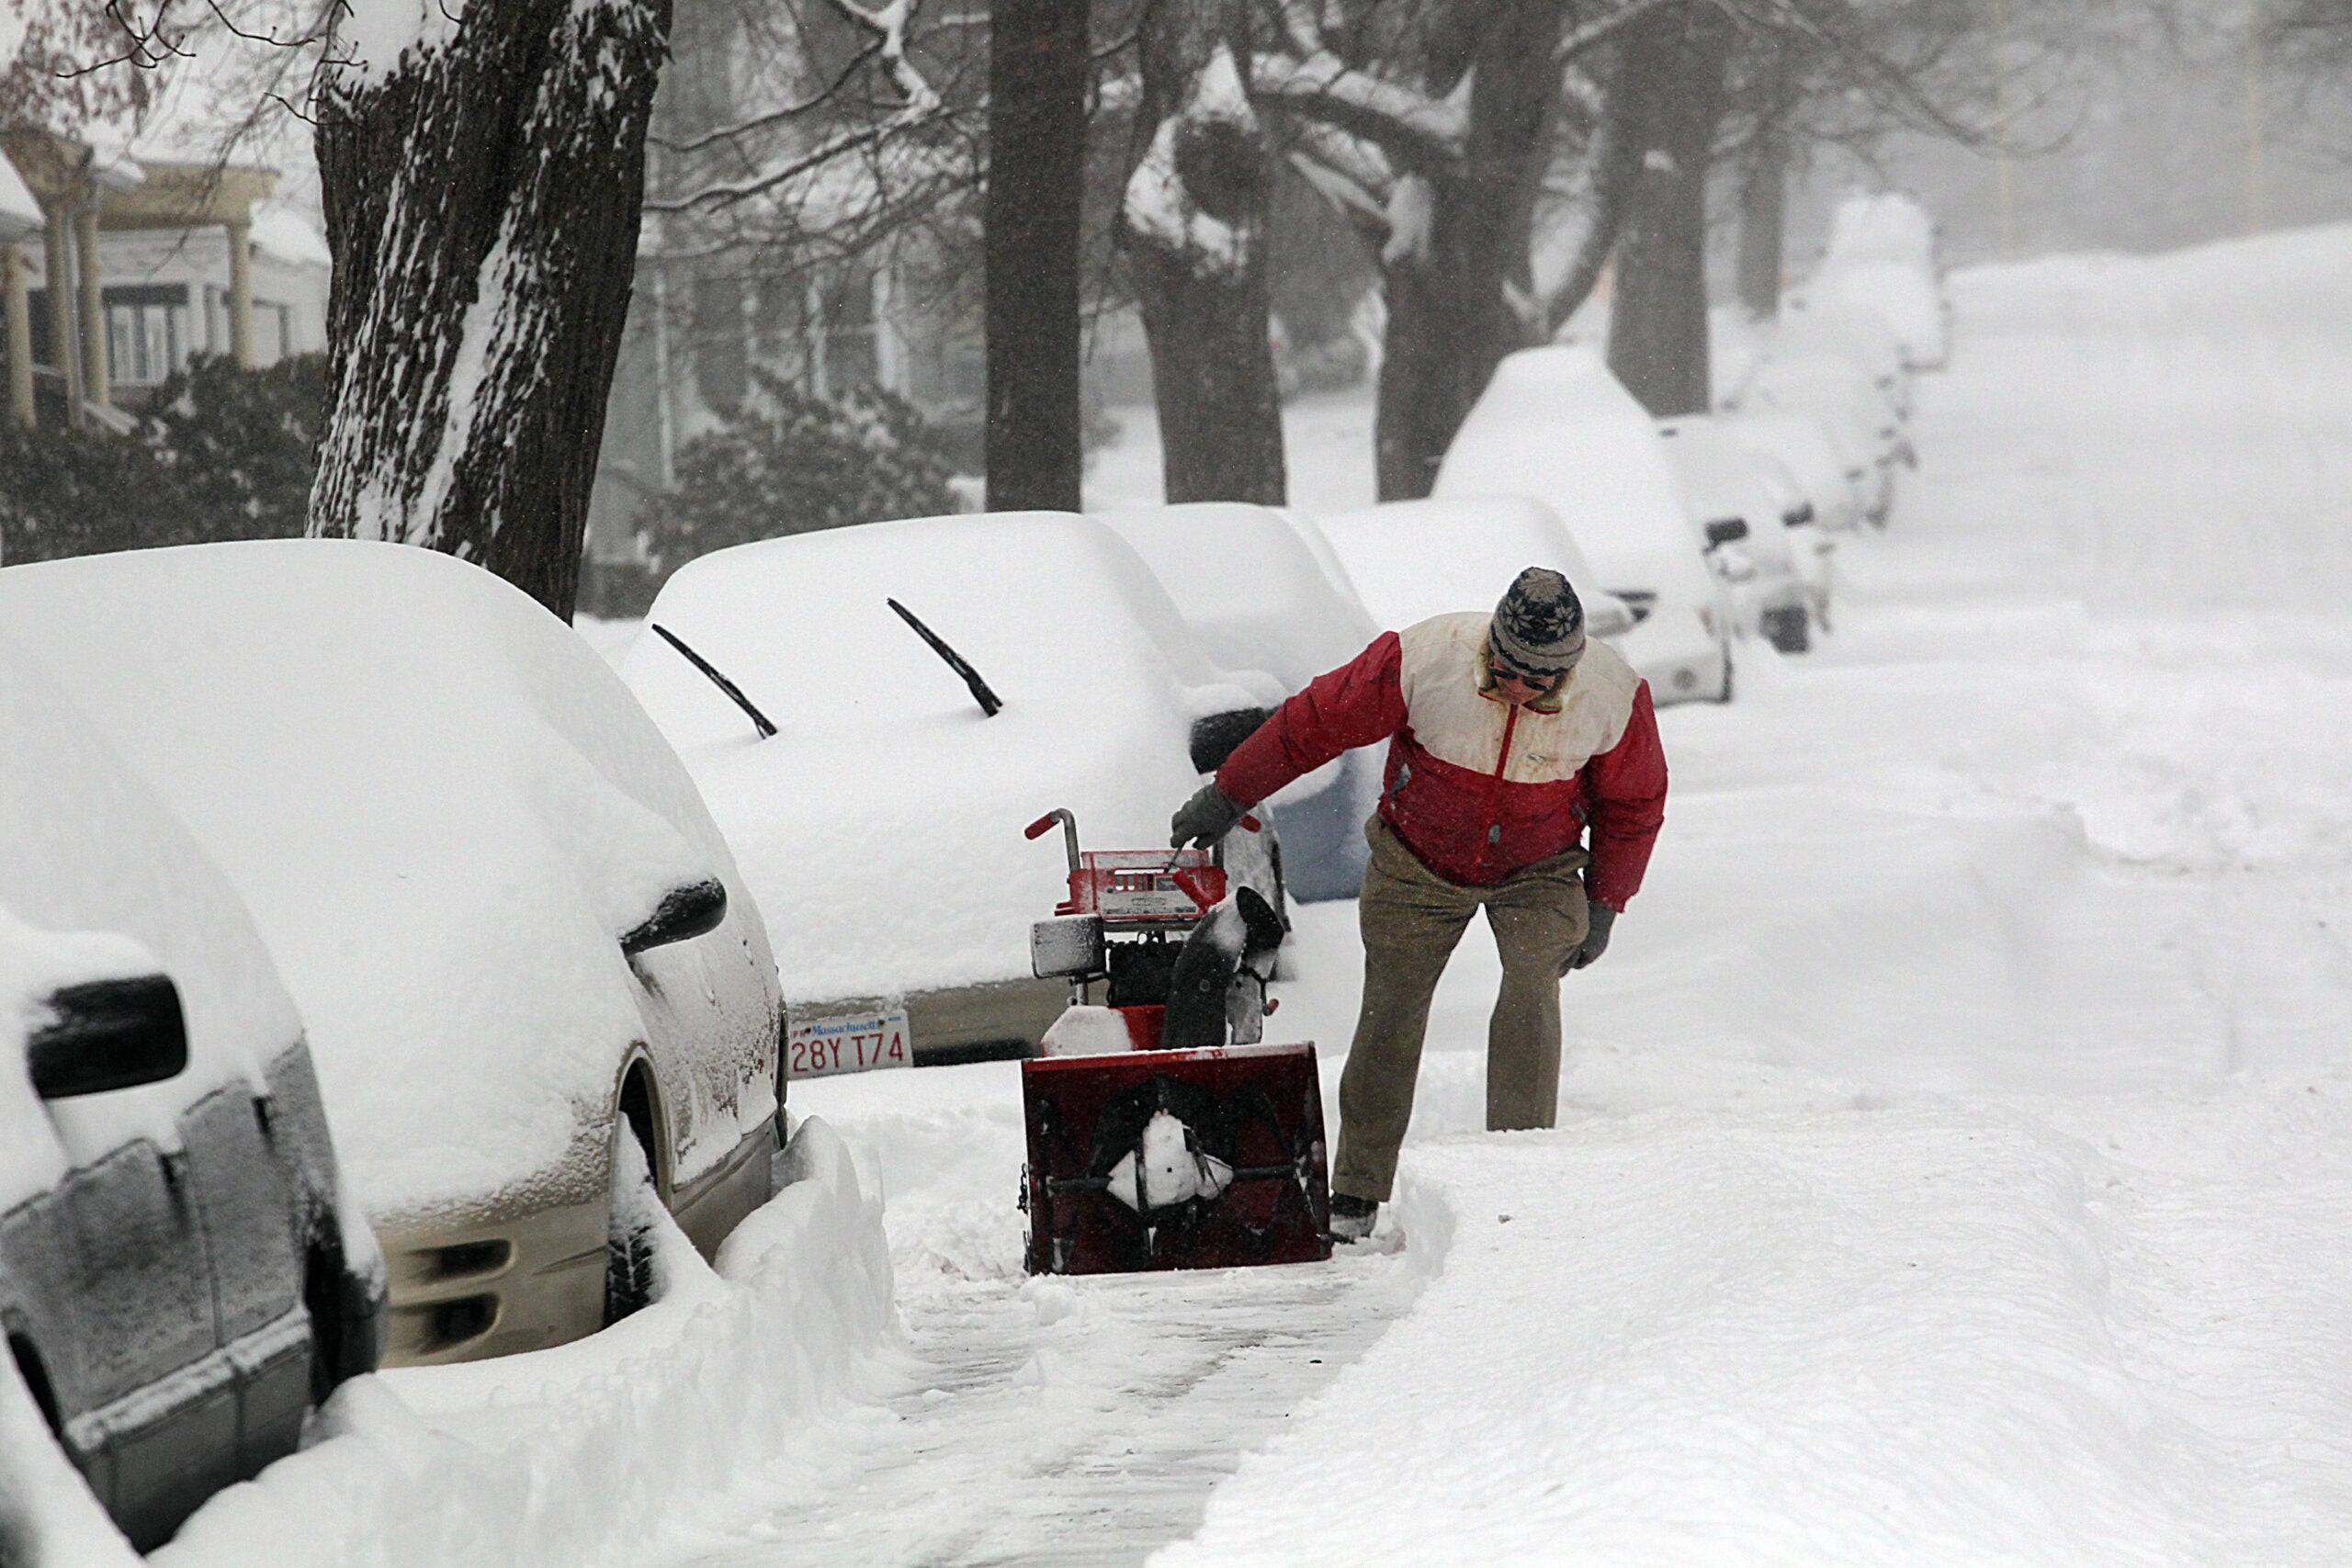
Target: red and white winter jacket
[{"x": 1476, "y": 787}]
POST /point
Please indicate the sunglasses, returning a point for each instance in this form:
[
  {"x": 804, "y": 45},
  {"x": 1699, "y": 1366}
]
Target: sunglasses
[{"x": 1502, "y": 670}]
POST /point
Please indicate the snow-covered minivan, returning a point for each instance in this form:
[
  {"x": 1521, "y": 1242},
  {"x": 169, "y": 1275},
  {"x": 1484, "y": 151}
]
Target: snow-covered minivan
[{"x": 180, "y": 1278}]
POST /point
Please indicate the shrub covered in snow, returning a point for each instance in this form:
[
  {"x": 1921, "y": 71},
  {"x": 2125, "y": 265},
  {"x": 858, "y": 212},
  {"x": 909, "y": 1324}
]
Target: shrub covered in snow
[
  {"x": 787, "y": 461},
  {"x": 222, "y": 454}
]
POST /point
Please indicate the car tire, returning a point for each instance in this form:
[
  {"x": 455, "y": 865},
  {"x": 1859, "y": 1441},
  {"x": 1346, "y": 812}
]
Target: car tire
[
  {"x": 629, "y": 1237},
  {"x": 329, "y": 1293},
  {"x": 1789, "y": 629}
]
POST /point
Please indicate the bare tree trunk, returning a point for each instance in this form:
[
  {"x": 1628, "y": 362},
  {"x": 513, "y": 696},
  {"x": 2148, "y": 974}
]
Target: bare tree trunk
[
  {"x": 481, "y": 193},
  {"x": 1450, "y": 315},
  {"x": 1194, "y": 228},
  {"x": 1763, "y": 215},
  {"x": 1657, "y": 333},
  {"x": 1037, "y": 74}
]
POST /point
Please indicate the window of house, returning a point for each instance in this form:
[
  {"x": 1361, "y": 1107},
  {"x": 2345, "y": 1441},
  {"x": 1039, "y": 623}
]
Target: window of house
[{"x": 147, "y": 334}]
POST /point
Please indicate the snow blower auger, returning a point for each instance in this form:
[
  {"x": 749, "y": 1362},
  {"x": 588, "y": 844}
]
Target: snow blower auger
[{"x": 1163, "y": 1133}]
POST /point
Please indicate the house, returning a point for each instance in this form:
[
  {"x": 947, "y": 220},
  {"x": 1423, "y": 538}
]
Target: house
[{"x": 154, "y": 261}]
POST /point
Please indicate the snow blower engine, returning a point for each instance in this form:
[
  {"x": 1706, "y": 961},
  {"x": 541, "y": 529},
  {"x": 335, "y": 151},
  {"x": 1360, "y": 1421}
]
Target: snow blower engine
[{"x": 1163, "y": 1133}]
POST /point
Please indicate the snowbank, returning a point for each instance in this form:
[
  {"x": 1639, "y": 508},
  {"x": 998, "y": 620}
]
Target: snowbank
[
  {"x": 592, "y": 1452},
  {"x": 1622, "y": 1362}
]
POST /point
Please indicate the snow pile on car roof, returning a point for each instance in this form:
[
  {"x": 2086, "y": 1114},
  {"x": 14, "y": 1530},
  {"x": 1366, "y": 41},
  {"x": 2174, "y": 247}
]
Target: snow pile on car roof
[
  {"x": 1248, "y": 585},
  {"x": 86, "y": 848},
  {"x": 441, "y": 809},
  {"x": 1553, "y": 423},
  {"x": 1413, "y": 560},
  {"x": 881, "y": 828}
]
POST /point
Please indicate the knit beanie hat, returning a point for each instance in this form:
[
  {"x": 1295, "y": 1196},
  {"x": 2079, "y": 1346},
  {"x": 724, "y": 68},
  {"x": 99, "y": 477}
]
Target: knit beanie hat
[{"x": 1538, "y": 626}]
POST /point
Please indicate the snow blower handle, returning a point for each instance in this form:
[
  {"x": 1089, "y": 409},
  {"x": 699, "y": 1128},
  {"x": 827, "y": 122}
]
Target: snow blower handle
[{"x": 1037, "y": 829}]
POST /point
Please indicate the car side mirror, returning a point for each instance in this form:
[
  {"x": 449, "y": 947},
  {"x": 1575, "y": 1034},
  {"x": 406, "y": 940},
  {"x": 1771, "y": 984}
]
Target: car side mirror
[
  {"x": 1212, "y": 738},
  {"x": 1726, "y": 530},
  {"x": 108, "y": 1034},
  {"x": 691, "y": 909},
  {"x": 1606, "y": 616}
]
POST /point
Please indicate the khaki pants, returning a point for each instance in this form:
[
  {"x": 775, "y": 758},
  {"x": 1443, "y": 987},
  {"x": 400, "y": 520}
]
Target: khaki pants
[{"x": 1411, "y": 919}]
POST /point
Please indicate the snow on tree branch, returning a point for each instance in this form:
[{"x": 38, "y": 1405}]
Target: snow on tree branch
[
  {"x": 1416, "y": 130},
  {"x": 1601, "y": 29},
  {"x": 1173, "y": 199}
]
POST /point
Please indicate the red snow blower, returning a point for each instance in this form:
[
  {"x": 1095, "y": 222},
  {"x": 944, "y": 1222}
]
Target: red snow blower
[{"x": 1162, "y": 1133}]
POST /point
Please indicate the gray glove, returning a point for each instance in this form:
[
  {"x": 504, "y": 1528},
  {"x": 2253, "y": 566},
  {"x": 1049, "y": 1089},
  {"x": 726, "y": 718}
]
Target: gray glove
[
  {"x": 1204, "y": 819},
  {"x": 1600, "y": 918}
]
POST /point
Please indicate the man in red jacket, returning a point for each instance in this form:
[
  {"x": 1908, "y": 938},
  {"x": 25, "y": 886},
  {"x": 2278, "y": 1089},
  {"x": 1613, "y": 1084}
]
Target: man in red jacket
[{"x": 1508, "y": 735}]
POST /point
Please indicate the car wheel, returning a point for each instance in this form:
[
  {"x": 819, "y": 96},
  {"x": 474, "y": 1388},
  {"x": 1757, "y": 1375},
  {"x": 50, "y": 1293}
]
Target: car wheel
[
  {"x": 1787, "y": 629},
  {"x": 323, "y": 1293},
  {"x": 629, "y": 1237}
]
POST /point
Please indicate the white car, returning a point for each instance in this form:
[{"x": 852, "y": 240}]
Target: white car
[
  {"x": 1907, "y": 296},
  {"x": 1553, "y": 423},
  {"x": 517, "y": 937},
  {"x": 1882, "y": 226},
  {"x": 1834, "y": 391},
  {"x": 1833, "y": 490},
  {"x": 1419, "y": 558},
  {"x": 181, "y": 1279},
  {"x": 882, "y": 824},
  {"x": 1736, "y": 517},
  {"x": 1812, "y": 550},
  {"x": 1813, "y": 321},
  {"x": 1251, "y": 587}
]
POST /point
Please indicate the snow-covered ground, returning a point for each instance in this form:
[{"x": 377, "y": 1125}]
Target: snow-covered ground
[{"x": 1956, "y": 1159}]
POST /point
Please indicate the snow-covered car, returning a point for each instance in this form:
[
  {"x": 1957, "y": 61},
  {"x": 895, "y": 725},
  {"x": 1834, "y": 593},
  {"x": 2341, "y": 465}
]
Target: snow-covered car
[
  {"x": 180, "y": 1278},
  {"x": 882, "y": 824},
  {"x": 1553, "y": 423},
  {"x": 1906, "y": 297},
  {"x": 1417, "y": 559},
  {"x": 515, "y": 933},
  {"x": 1881, "y": 226},
  {"x": 1811, "y": 550},
  {"x": 1817, "y": 322},
  {"x": 1736, "y": 519},
  {"x": 1250, "y": 585},
  {"x": 1831, "y": 487},
  {"x": 1834, "y": 391}
]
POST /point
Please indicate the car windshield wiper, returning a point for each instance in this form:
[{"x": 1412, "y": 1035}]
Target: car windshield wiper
[
  {"x": 735, "y": 692},
  {"x": 990, "y": 703}
]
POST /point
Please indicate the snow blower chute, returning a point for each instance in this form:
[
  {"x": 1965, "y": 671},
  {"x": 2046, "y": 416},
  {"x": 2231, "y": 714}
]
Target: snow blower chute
[{"x": 1162, "y": 1133}]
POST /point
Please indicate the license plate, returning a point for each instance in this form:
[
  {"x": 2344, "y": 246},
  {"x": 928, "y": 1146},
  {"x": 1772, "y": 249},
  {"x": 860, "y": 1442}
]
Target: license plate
[{"x": 823, "y": 1046}]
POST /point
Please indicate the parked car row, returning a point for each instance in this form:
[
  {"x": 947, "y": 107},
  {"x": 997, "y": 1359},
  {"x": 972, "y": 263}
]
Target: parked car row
[{"x": 352, "y": 914}]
